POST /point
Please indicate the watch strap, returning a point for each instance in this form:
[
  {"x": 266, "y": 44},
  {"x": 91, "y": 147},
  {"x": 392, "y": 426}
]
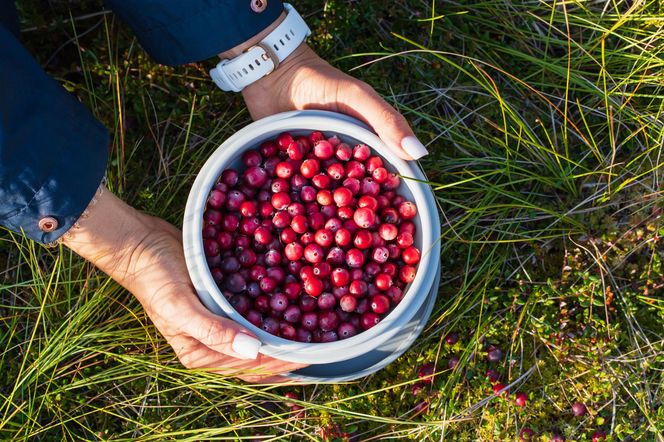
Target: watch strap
[{"x": 263, "y": 58}]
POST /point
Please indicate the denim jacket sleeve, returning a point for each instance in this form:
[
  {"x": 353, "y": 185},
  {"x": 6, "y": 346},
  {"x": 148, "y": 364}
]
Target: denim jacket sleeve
[
  {"x": 53, "y": 152},
  {"x": 183, "y": 31}
]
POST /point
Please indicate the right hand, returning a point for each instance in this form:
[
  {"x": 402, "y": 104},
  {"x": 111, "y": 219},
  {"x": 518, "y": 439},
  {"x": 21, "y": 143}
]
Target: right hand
[{"x": 144, "y": 254}]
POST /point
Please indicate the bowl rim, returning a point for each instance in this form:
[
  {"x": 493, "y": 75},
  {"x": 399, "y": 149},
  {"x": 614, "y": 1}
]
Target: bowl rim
[{"x": 252, "y": 135}]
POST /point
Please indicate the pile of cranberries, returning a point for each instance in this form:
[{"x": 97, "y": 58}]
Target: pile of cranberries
[{"x": 310, "y": 241}]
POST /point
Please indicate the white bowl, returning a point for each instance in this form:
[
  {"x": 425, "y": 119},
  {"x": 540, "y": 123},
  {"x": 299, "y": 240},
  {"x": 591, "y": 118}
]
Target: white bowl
[{"x": 351, "y": 131}]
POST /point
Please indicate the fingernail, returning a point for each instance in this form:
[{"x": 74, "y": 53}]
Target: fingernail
[
  {"x": 413, "y": 147},
  {"x": 246, "y": 346}
]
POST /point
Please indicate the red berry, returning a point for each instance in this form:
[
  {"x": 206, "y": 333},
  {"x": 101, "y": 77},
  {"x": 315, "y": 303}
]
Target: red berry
[
  {"x": 380, "y": 304},
  {"x": 324, "y": 197},
  {"x": 407, "y": 210},
  {"x": 284, "y": 140},
  {"x": 388, "y": 231},
  {"x": 493, "y": 354},
  {"x": 497, "y": 387},
  {"x": 407, "y": 274},
  {"x": 492, "y": 375},
  {"x": 358, "y": 288},
  {"x": 521, "y": 399},
  {"x": 380, "y": 174},
  {"x": 284, "y": 169},
  {"x": 299, "y": 224},
  {"x": 404, "y": 240},
  {"x": 598, "y": 436},
  {"x": 363, "y": 239},
  {"x": 348, "y": 303},
  {"x": 354, "y": 258},
  {"x": 361, "y": 152},
  {"x": 364, "y": 217},
  {"x": 323, "y": 149},
  {"x": 294, "y": 251},
  {"x": 321, "y": 181},
  {"x": 411, "y": 255},
  {"x": 383, "y": 281},
  {"x": 368, "y": 320},
  {"x": 255, "y": 176},
  {"x": 313, "y": 253},
  {"x": 380, "y": 254},
  {"x": 309, "y": 168},
  {"x": 426, "y": 372},
  {"x": 355, "y": 169},
  {"x": 340, "y": 277},
  {"x": 262, "y": 235},
  {"x": 579, "y": 409},
  {"x": 342, "y": 196},
  {"x": 313, "y": 286},
  {"x": 344, "y": 152},
  {"x": 336, "y": 171},
  {"x": 280, "y": 201}
]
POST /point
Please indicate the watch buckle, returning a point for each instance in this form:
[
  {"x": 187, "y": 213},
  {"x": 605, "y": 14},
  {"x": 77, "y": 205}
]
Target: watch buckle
[{"x": 268, "y": 54}]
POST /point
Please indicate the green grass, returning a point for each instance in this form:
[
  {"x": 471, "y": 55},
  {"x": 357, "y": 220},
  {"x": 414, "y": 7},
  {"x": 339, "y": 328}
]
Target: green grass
[{"x": 545, "y": 122}]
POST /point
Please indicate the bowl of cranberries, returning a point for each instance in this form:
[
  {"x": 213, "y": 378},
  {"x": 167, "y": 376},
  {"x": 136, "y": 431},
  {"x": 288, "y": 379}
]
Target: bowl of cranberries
[{"x": 307, "y": 230}]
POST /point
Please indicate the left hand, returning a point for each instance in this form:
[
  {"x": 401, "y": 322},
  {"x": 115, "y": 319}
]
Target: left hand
[{"x": 306, "y": 81}]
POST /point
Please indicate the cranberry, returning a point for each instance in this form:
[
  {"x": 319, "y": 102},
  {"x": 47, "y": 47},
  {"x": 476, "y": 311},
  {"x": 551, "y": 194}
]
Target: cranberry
[
  {"x": 368, "y": 320},
  {"x": 364, "y": 217},
  {"x": 288, "y": 235},
  {"x": 216, "y": 199},
  {"x": 521, "y": 399},
  {"x": 292, "y": 314},
  {"x": 336, "y": 256},
  {"x": 240, "y": 303},
  {"x": 342, "y": 196},
  {"x": 322, "y": 270},
  {"x": 390, "y": 215},
  {"x": 355, "y": 169},
  {"x": 494, "y": 354},
  {"x": 284, "y": 140},
  {"x": 328, "y": 320},
  {"x": 579, "y": 409},
  {"x": 556, "y": 437},
  {"x": 411, "y": 255},
  {"x": 323, "y": 149},
  {"x": 213, "y": 218},
  {"x": 316, "y": 136},
  {"x": 380, "y": 304},
  {"x": 426, "y": 372},
  {"x": 313, "y": 286},
  {"x": 327, "y": 301},
  {"x": 369, "y": 187},
  {"x": 268, "y": 285},
  {"x": 354, "y": 258},
  {"x": 308, "y": 193},
  {"x": 453, "y": 362},
  {"x": 324, "y": 197},
  {"x": 388, "y": 231},
  {"x": 452, "y": 338},
  {"x": 313, "y": 253},
  {"x": 303, "y": 335},
  {"x": 307, "y": 303},
  {"x": 598, "y": 436},
  {"x": 344, "y": 152},
  {"x": 404, "y": 240},
  {"x": 336, "y": 171},
  {"x": 299, "y": 224},
  {"x": 407, "y": 274},
  {"x": 380, "y": 174},
  {"x": 295, "y": 151},
  {"x": 309, "y": 168},
  {"x": 279, "y": 185},
  {"x": 255, "y": 177},
  {"x": 329, "y": 336},
  {"x": 361, "y": 152},
  {"x": 407, "y": 210},
  {"x": 262, "y": 303},
  {"x": 380, "y": 255},
  {"x": 284, "y": 169},
  {"x": 348, "y": 303},
  {"x": 211, "y": 247},
  {"x": 389, "y": 268},
  {"x": 230, "y": 264},
  {"x": 278, "y": 302},
  {"x": 235, "y": 283},
  {"x": 395, "y": 294},
  {"x": 254, "y": 318},
  {"x": 346, "y": 330},
  {"x": 295, "y": 209},
  {"x": 352, "y": 184},
  {"x": 262, "y": 235},
  {"x": 497, "y": 387},
  {"x": 280, "y": 201},
  {"x": 321, "y": 181},
  {"x": 358, "y": 288},
  {"x": 229, "y": 177}
]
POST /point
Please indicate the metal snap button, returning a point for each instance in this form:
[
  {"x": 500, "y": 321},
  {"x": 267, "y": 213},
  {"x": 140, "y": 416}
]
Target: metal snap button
[
  {"x": 258, "y": 5},
  {"x": 48, "y": 224}
]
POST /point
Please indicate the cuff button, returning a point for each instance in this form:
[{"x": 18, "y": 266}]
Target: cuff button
[
  {"x": 258, "y": 5},
  {"x": 48, "y": 224}
]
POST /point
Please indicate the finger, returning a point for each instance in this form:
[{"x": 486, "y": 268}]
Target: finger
[
  {"x": 220, "y": 334},
  {"x": 361, "y": 101}
]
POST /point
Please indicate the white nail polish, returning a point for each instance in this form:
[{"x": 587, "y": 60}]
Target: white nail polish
[
  {"x": 246, "y": 346},
  {"x": 413, "y": 147}
]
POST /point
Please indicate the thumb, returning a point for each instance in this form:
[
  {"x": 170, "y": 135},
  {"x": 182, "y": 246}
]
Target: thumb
[
  {"x": 361, "y": 101},
  {"x": 221, "y": 334}
]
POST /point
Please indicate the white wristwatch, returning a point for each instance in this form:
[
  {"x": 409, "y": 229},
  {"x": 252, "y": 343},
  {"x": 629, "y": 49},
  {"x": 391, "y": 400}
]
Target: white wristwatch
[{"x": 261, "y": 59}]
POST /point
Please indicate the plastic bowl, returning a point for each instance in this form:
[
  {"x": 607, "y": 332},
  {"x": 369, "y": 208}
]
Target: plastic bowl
[{"x": 353, "y": 132}]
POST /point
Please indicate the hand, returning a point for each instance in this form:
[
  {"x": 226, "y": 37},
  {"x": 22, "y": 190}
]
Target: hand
[
  {"x": 144, "y": 254},
  {"x": 306, "y": 81}
]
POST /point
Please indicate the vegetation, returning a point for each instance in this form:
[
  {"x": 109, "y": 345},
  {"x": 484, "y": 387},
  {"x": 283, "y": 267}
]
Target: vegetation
[{"x": 545, "y": 123}]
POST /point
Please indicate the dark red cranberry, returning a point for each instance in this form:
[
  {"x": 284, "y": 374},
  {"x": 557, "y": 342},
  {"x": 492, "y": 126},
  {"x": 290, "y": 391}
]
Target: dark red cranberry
[
  {"x": 598, "y": 436},
  {"x": 321, "y": 181},
  {"x": 363, "y": 239},
  {"x": 229, "y": 177},
  {"x": 255, "y": 177},
  {"x": 361, "y": 152},
  {"x": 254, "y": 318},
  {"x": 579, "y": 409},
  {"x": 328, "y": 320},
  {"x": 453, "y": 362},
  {"x": 293, "y": 314},
  {"x": 303, "y": 335},
  {"x": 235, "y": 283},
  {"x": 310, "y": 321},
  {"x": 329, "y": 336},
  {"x": 369, "y": 187},
  {"x": 240, "y": 303},
  {"x": 262, "y": 303},
  {"x": 411, "y": 255},
  {"x": 216, "y": 199},
  {"x": 313, "y": 287},
  {"x": 268, "y": 285},
  {"x": 270, "y": 325},
  {"x": 354, "y": 258},
  {"x": 380, "y": 304},
  {"x": 492, "y": 375},
  {"x": 346, "y": 330},
  {"x": 369, "y": 319},
  {"x": 497, "y": 387},
  {"x": 272, "y": 258},
  {"x": 493, "y": 354},
  {"x": 327, "y": 301}
]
